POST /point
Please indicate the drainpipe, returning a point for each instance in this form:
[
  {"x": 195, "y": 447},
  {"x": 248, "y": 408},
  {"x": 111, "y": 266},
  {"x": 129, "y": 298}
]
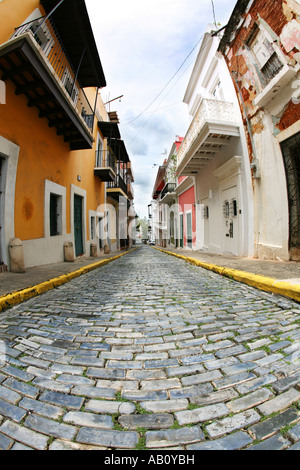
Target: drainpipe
[
  {"x": 233, "y": 74},
  {"x": 254, "y": 165}
]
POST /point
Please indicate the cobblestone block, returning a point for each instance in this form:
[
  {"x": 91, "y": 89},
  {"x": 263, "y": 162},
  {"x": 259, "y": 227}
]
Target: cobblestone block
[
  {"x": 100, "y": 373},
  {"x": 164, "y": 406},
  {"x": 200, "y": 415},
  {"x": 93, "y": 392},
  {"x": 108, "y": 438},
  {"x": 60, "y": 399},
  {"x": 9, "y": 395},
  {"x": 269, "y": 427},
  {"x": 284, "y": 384},
  {"x": 251, "y": 400},
  {"x": 184, "y": 370},
  {"x": 233, "y": 380},
  {"x": 294, "y": 433},
  {"x": 148, "y": 421},
  {"x": 201, "y": 378},
  {"x": 280, "y": 402},
  {"x": 5, "y": 442},
  {"x": 51, "y": 411},
  {"x": 214, "y": 397},
  {"x": 11, "y": 411},
  {"x": 49, "y": 427},
  {"x": 231, "y": 424},
  {"x": 277, "y": 442},
  {"x": 17, "y": 373},
  {"x": 164, "y": 384},
  {"x": 24, "y": 435},
  {"x": 173, "y": 437},
  {"x": 236, "y": 441},
  {"x": 106, "y": 406},
  {"x": 80, "y": 418}
]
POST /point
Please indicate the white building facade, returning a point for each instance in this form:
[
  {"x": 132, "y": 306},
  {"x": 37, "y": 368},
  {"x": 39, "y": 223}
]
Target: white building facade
[{"x": 214, "y": 155}]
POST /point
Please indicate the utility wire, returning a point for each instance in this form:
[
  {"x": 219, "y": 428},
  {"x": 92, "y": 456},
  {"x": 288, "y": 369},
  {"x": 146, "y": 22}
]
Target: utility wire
[
  {"x": 167, "y": 84},
  {"x": 214, "y": 13},
  {"x": 157, "y": 109}
]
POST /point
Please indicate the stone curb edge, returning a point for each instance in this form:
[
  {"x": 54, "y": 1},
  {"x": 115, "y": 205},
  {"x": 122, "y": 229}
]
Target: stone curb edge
[
  {"x": 18, "y": 297},
  {"x": 264, "y": 283}
]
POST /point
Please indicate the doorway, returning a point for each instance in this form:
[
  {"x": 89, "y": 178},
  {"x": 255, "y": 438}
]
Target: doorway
[
  {"x": 291, "y": 155},
  {"x": 78, "y": 224}
]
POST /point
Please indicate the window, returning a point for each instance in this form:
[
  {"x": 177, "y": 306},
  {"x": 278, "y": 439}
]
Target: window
[
  {"x": 265, "y": 55},
  {"x": 55, "y": 215},
  {"x": 217, "y": 91},
  {"x": 234, "y": 209}
]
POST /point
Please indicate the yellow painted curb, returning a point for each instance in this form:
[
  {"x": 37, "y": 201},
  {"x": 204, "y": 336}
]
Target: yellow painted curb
[
  {"x": 15, "y": 298},
  {"x": 255, "y": 280}
]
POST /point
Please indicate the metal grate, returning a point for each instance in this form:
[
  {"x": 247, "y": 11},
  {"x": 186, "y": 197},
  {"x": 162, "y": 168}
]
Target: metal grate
[
  {"x": 291, "y": 153},
  {"x": 272, "y": 67}
]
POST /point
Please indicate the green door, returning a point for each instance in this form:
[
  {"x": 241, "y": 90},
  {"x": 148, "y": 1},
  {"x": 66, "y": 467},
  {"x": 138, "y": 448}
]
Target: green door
[{"x": 78, "y": 225}]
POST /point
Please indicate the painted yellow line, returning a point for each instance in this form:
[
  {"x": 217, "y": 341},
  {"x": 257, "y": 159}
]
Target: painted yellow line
[
  {"x": 264, "y": 283},
  {"x": 15, "y": 298}
]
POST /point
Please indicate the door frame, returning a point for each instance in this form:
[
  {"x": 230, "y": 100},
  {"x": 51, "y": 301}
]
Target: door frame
[
  {"x": 292, "y": 172},
  {"x": 10, "y": 153},
  {"x": 75, "y": 190}
]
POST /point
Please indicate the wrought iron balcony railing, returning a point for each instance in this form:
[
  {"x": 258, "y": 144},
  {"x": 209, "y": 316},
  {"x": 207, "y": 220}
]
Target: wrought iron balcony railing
[
  {"x": 169, "y": 188},
  {"x": 118, "y": 183}
]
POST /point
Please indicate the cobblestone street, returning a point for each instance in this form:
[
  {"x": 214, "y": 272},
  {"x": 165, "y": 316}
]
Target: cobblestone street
[{"x": 149, "y": 352}]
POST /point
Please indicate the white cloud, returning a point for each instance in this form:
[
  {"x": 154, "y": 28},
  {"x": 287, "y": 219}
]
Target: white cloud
[{"x": 142, "y": 44}]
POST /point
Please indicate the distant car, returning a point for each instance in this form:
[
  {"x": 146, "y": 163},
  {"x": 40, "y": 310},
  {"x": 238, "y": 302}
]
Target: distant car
[{"x": 151, "y": 243}]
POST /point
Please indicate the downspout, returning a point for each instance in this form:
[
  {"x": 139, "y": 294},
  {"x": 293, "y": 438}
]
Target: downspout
[
  {"x": 233, "y": 74},
  {"x": 254, "y": 165}
]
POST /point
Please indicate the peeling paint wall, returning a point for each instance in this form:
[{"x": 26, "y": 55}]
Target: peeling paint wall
[{"x": 263, "y": 56}]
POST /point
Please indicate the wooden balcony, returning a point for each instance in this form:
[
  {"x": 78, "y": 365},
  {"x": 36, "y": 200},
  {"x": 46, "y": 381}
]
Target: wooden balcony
[{"x": 37, "y": 62}]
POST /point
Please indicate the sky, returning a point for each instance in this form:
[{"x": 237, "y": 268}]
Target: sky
[{"x": 148, "y": 50}]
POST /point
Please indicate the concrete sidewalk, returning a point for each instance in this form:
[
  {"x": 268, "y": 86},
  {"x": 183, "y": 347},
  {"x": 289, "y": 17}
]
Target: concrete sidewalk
[
  {"x": 278, "y": 277},
  {"x": 16, "y": 287}
]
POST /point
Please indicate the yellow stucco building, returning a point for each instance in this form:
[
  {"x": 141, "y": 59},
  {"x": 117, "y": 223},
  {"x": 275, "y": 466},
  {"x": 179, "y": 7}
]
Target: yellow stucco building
[{"x": 51, "y": 141}]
